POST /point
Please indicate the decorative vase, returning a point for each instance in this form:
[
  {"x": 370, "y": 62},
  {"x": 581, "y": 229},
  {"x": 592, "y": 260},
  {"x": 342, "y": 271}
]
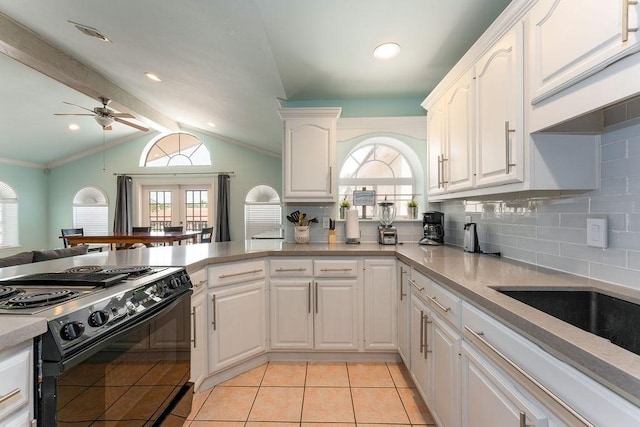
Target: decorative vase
[
  {"x": 343, "y": 211},
  {"x": 413, "y": 212}
]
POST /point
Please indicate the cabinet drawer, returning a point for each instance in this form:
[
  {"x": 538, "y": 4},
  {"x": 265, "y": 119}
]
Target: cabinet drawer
[
  {"x": 291, "y": 268},
  {"x": 420, "y": 284},
  {"x": 445, "y": 304},
  {"x": 227, "y": 274},
  {"x": 335, "y": 268},
  {"x": 15, "y": 370},
  {"x": 199, "y": 279}
]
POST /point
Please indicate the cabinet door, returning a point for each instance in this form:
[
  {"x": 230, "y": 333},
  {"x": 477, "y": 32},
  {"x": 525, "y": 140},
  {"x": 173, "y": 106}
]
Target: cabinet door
[
  {"x": 237, "y": 324},
  {"x": 336, "y": 314},
  {"x": 460, "y": 134},
  {"x": 291, "y": 314},
  {"x": 445, "y": 373},
  {"x": 570, "y": 40},
  {"x": 380, "y": 305},
  {"x": 198, "y": 340},
  {"x": 404, "y": 308},
  {"x": 420, "y": 328},
  {"x": 436, "y": 149},
  {"x": 499, "y": 112},
  {"x": 490, "y": 399}
]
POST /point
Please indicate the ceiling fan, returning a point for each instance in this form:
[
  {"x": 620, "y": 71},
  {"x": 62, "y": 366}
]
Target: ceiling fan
[{"x": 105, "y": 116}]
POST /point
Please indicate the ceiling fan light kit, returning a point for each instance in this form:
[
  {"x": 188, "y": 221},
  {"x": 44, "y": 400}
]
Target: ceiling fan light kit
[{"x": 105, "y": 116}]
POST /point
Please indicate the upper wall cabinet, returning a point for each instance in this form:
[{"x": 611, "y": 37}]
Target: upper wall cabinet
[
  {"x": 570, "y": 40},
  {"x": 309, "y": 154}
]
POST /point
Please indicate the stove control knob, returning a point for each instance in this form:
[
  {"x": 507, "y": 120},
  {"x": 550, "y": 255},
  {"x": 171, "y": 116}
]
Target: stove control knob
[
  {"x": 174, "y": 283},
  {"x": 184, "y": 278},
  {"x": 71, "y": 331},
  {"x": 98, "y": 318}
]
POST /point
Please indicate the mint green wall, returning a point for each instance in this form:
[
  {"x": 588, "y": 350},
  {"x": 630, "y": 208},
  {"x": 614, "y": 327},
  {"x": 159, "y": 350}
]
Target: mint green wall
[
  {"x": 391, "y": 107},
  {"x": 251, "y": 168},
  {"x": 31, "y": 186}
]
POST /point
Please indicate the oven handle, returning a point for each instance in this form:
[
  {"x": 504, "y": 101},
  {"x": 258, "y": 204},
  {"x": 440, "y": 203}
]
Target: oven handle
[{"x": 100, "y": 345}]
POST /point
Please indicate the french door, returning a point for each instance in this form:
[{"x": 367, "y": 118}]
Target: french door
[{"x": 186, "y": 205}]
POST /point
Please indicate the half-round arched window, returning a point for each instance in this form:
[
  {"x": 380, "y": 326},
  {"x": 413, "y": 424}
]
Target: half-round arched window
[
  {"x": 262, "y": 213},
  {"x": 8, "y": 216},
  {"x": 175, "y": 149},
  {"x": 91, "y": 211},
  {"x": 380, "y": 164}
]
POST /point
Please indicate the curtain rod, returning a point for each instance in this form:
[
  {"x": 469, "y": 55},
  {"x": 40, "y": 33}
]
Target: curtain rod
[{"x": 230, "y": 173}]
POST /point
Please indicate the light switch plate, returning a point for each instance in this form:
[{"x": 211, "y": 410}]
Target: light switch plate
[
  {"x": 597, "y": 232},
  {"x": 325, "y": 222}
]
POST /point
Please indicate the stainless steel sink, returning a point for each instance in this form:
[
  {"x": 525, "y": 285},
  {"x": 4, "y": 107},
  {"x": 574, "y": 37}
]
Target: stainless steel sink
[{"x": 608, "y": 317}]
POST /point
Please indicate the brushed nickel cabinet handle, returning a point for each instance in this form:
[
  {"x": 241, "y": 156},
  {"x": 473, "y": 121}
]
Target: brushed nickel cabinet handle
[
  {"x": 401, "y": 280},
  {"x": 330, "y": 180},
  {"x": 507, "y": 147},
  {"x": 478, "y": 336},
  {"x": 419, "y": 289},
  {"x": 328, "y": 270},
  {"x": 523, "y": 419},
  {"x": 443, "y": 174},
  {"x": 316, "y": 301},
  {"x": 9, "y": 395},
  {"x": 426, "y": 336},
  {"x": 193, "y": 317},
  {"x": 437, "y": 303},
  {"x": 625, "y": 19},
  {"x": 286, "y": 270},
  {"x": 439, "y": 179},
  {"x": 213, "y": 303},
  {"x": 242, "y": 273},
  {"x": 309, "y": 299},
  {"x": 421, "y": 330}
]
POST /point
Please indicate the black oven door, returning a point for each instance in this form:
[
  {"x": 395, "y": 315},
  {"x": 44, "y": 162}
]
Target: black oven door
[{"x": 135, "y": 377}]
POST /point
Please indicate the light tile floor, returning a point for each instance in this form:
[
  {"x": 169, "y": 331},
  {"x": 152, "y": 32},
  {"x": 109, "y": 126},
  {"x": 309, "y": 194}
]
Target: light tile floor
[{"x": 290, "y": 394}]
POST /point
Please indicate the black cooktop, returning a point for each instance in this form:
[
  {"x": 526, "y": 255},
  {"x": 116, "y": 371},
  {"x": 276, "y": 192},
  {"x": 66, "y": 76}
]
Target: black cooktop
[{"x": 100, "y": 279}]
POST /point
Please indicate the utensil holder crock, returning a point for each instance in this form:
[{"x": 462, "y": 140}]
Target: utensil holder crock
[{"x": 301, "y": 233}]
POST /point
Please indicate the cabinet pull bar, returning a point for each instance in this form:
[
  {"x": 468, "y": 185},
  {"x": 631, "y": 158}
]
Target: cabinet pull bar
[
  {"x": 316, "y": 301},
  {"x": 625, "y": 19},
  {"x": 9, "y": 395},
  {"x": 437, "y": 303},
  {"x": 415, "y": 286},
  {"x": 545, "y": 390},
  {"x": 213, "y": 303},
  {"x": 200, "y": 283},
  {"x": 284, "y": 270},
  {"x": 324, "y": 270},
  {"x": 507, "y": 147},
  {"x": 330, "y": 179},
  {"x": 523, "y": 419},
  {"x": 443, "y": 181},
  {"x": 309, "y": 299},
  {"x": 426, "y": 336},
  {"x": 193, "y": 317},
  {"x": 401, "y": 280},
  {"x": 421, "y": 330},
  {"x": 439, "y": 162},
  {"x": 242, "y": 273}
]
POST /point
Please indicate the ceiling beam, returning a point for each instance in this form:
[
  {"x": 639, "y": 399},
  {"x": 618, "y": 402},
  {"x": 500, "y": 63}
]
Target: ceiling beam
[{"x": 28, "y": 48}]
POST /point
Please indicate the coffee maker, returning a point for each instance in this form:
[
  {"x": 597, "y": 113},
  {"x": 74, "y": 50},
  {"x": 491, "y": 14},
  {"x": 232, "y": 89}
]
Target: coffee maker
[{"x": 433, "y": 225}]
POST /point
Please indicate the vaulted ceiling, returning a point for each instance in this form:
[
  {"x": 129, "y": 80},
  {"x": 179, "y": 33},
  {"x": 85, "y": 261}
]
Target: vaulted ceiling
[{"x": 225, "y": 62}]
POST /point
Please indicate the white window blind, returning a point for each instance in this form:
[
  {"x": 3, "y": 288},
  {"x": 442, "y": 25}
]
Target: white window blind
[
  {"x": 91, "y": 211},
  {"x": 262, "y": 211},
  {"x": 8, "y": 223}
]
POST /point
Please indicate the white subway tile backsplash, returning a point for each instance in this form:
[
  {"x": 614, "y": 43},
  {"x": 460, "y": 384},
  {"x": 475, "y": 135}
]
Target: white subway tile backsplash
[{"x": 551, "y": 232}]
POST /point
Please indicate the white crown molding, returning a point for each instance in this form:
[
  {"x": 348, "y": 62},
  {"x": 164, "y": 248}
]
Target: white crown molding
[{"x": 22, "y": 163}]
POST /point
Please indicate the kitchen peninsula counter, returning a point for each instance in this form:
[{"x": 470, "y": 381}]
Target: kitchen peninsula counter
[{"x": 472, "y": 276}]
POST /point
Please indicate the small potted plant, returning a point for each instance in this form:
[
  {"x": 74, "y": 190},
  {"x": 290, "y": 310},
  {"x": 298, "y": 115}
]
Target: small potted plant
[
  {"x": 412, "y": 208},
  {"x": 344, "y": 206}
]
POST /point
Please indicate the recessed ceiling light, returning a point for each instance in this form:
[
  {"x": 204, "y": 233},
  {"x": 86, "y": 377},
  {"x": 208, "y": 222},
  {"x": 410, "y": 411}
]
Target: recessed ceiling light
[
  {"x": 152, "y": 76},
  {"x": 211, "y": 124},
  {"x": 73, "y": 126},
  {"x": 386, "y": 51}
]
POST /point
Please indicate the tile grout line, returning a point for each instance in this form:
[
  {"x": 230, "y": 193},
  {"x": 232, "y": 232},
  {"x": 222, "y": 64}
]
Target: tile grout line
[
  {"x": 304, "y": 391},
  {"x": 257, "y": 392},
  {"x": 395, "y": 386}
]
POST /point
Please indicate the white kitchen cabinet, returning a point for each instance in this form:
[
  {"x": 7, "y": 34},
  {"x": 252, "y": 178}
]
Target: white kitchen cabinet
[
  {"x": 445, "y": 372},
  {"x": 16, "y": 387},
  {"x": 336, "y": 314},
  {"x": 421, "y": 327},
  {"x": 460, "y": 134},
  {"x": 499, "y": 111},
  {"x": 570, "y": 40},
  {"x": 237, "y": 324},
  {"x": 380, "y": 304},
  {"x": 436, "y": 144},
  {"x": 309, "y": 154},
  {"x": 404, "y": 308},
  {"x": 198, "y": 329},
  {"x": 291, "y": 314},
  {"x": 490, "y": 399}
]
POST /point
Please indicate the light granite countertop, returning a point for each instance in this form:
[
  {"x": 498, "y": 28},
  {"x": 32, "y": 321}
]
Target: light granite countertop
[{"x": 472, "y": 276}]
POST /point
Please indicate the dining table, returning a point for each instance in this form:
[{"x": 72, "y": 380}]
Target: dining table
[{"x": 126, "y": 240}]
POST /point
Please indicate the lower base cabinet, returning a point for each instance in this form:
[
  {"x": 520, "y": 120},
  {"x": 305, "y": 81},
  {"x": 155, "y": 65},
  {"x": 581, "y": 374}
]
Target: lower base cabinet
[
  {"x": 237, "y": 324},
  {"x": 336, "y": 314},
  {"x": 419, "y": 348},
  {"x": 445, "y": 373},
  {"x": 198, "y": 338}
]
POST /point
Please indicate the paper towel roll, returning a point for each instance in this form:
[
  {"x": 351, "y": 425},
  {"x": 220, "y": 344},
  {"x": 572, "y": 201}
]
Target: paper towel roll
[{"x": 352, "y": 226}]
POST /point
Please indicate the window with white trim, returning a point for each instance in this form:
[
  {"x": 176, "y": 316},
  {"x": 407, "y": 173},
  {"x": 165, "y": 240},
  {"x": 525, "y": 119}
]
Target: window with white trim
[
  {"x": 8, "y": 216},
  {"x": 382, "y": 168},
  {"x": 91, "y": 211},
  {"x": 175, "y": 149},
  {"x": 262, "y": 213}
]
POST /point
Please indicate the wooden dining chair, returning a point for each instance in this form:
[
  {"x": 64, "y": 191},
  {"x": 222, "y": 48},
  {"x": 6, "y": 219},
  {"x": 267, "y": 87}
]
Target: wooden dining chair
[
  {"x": 141, "y": 229},
  {"x": 77, "y": 232},
  {"x": 169, "y": 228},
  {"x": 206, "y": 234}
]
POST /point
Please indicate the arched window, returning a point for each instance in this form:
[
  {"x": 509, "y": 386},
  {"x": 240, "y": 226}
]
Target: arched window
[
  {"x": 8, "y": 216},
  {"x": 175, "y": 149},
  {"x": 379, "y": 164},
  {"x": 91, "y": 211},
  {"x": 262, "y": 213}
]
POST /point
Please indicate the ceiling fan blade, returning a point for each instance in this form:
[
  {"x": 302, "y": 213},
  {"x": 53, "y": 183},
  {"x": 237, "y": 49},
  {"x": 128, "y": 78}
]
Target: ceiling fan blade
[
  {"x": 72, "y": 114},
  {"x": 123, "y": 115},
  {"x": 133, "y": 125},
  {"x": 76, "y": 105}
]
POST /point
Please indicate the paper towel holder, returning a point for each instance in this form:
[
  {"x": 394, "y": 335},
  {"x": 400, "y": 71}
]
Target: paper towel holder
[{"x": 352, "y": 227}]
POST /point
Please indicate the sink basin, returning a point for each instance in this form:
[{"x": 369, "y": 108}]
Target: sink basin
[{"x": 603, "y": 315}]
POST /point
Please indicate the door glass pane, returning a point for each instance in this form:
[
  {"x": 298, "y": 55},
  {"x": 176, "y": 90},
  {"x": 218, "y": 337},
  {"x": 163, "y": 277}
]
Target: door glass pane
[
  {"x": 196, "y": 209},
  {"x": 159, "y": 209}
]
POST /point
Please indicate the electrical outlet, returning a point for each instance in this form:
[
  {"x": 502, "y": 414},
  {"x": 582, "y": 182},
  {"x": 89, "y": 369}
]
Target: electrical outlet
[{"x": 325, "y": 222}]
